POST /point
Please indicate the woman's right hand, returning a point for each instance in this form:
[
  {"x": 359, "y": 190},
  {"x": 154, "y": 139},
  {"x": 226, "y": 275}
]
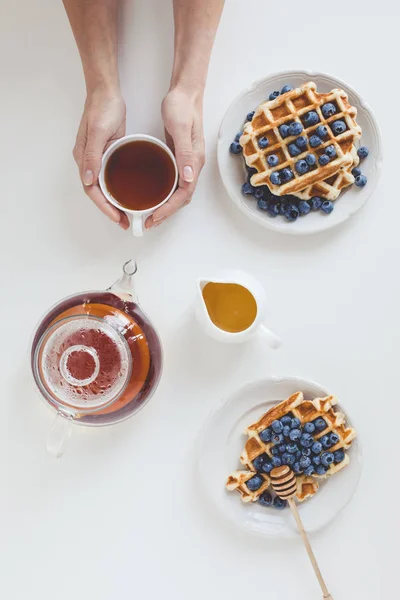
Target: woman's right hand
[{"x": 103, "y": 122}]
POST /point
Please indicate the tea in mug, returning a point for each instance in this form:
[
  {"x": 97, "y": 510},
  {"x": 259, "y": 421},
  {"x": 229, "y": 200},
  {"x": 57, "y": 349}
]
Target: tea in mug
[
  {"x": 231, "y": 307},
  {"x": 139, "y": 175}
]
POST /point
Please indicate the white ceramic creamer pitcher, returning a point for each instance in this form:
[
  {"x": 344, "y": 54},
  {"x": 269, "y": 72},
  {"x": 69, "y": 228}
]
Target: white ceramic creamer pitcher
[{"x": 257, "y": 327}]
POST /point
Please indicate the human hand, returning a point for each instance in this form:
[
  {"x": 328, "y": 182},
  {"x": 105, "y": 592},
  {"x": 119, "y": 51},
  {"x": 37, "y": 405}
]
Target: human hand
[
  {"x": 182, "y": 114},
  {"x": 103, "y": 121}
]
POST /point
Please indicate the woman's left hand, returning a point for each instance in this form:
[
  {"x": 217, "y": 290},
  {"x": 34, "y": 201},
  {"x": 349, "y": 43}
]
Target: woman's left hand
[{"x": 182, "y": 114}]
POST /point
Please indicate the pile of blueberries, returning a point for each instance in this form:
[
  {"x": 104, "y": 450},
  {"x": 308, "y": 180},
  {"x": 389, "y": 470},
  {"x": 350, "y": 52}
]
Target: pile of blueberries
[
  {"x": 294, "y": 445},
  {"x": 290, "y": 206}
]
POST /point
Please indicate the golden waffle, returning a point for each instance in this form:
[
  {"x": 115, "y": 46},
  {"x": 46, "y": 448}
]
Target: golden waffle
[
  {"x": 285, "y": 109},
  {"x": 305, "y": 411},
  {"x": 331, "y": 188}
]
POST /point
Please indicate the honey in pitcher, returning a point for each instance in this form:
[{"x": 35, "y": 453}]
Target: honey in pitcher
[{"x": 230, "y": 306}]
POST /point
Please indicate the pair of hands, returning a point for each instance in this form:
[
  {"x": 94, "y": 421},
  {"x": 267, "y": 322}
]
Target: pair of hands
[{"x": 104, "y": 120}]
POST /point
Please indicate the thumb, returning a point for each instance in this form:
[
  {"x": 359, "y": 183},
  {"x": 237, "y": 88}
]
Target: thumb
[
  {"x": 184, "y": 155},
  {"x": 93, "y": 152}
]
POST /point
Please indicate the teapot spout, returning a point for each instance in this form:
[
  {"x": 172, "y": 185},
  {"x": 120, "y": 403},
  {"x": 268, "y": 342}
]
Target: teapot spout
[{"x": 124, "y": 286}]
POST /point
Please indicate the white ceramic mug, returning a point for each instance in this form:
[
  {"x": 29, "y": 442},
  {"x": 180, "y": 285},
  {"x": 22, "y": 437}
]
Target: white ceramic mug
[
  {"x": 259, "y": 295},
  {"x": 137, "y": 216}
]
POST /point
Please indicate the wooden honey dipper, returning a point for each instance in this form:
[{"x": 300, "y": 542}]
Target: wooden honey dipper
[{"x": 283, "y": 481}]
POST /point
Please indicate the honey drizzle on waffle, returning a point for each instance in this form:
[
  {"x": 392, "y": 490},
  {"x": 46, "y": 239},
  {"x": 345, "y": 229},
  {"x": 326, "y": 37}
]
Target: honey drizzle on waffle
[
  {"x": 305, "y": 411},
  {"x": 287, "y": 108}
]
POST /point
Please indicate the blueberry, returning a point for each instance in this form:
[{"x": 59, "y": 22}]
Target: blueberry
[
  {"x": 255, "y": 483},
  {"x": 275, "y": 178},
  {"x": 309, "y": 427},
  {"x": 327, "y": 458},
  {"x": 334, "y": 438},
  {"x": 301, "y": 167},
  {"x": 295, "y": 423},
  {"x": 294, "y": 150},
  {"x": 328, "y": 110},
  {"x": 311, "y": 160},
  {"x": 311, "y": 118},
  {"x": 276, "y": 426},
  {"x": 265, "y": 435},
  {"x": 295, "y": 435},
  {"x": 238, "y": 136},
  {"x": 247, "y": 188},
  {"x": 275, "y": 451},
  {"x": 363, "y": 152},
  {"x": 259, "y": 461},
  {"x": 272, "y": 160},
  {"x": 259, "y": 193},
  {"x": 284, "y": 130},
  {"x": 306, "y": 451},
  {"x": 235, "y": 148},
  {"x": 316, "y": 203},
  {"x": 262, "y": 204},
  {"x": 286, "y": 431},
  {"x": 277, "y": 438},
  {"x": 286, "y": 88},
  {"x": 276, "y": 461},
  {"x": 273, "y": 210},
  {"x": 321, "y": 131},
  {"x": 361, "y": 180},
  {"x": 283, "y": 207},
  {"x": 315, "y": 141},
  {"x": 267, "y": 467},
  {"x": 279, "y": 503},
  {"x": 286, "y": 174},
  {"x": 320, "y": 423},
  {"x": 295, "y": 128},
  {"x": 291, "y": 448},
  {"x": 338, "y": 127},
  {"x": 327, "y": 207},
  {"x": 250, "y": 115},
  {"x": 356, "y": 172},
  {"x": 282, "y": 448},
  {"x": 306, "y": 440},
  {"x": 301, "y": 142},
  {"x": 273, "y": 95},
  {"x": 286, "y": 420},
  {"x": 298, "y": 454},
  {"x": 320, "y": 470},
  {"x": 296, "y": 468},
  {"x": 309, "y": 471},
  {"x": 338, "y": 456},
  {"x": 304, "y": 207},
  {"x": 263, "y": 143},
  {"x": 305, "y": 462},
  {"x": 265, "y": 499},
  {"x": 288, "y": 459},
  {"x": 316, "y": 447},
  {"x": 316, "y": 460},
  {"x": 325, "y": 441},
  {"x": 323, "y": 160},
  {"x": 330, "y": 151}
]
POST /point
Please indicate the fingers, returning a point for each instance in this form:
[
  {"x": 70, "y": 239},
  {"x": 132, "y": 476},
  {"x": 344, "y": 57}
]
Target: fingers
[
  {"x": 177, "y": 201},
  {"x": 182, "y": 139},
  {"x": 91, "y": 163},
  {"x": 96, "y": 196}
]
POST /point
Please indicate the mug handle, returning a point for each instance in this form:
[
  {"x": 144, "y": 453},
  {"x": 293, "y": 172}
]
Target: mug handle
[
  {"x": 58, "y": 436},
  {"x": 137, "y": 225},
  {"x": 272, "y": 339}
]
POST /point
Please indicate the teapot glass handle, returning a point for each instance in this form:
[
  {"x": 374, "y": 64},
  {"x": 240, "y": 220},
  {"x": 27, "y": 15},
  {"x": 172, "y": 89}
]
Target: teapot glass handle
[{"x": 58, "y": 436}]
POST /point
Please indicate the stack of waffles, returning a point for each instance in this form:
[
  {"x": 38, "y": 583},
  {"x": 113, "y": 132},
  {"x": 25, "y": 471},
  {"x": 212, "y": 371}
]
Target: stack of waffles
[
  {"x": 303, "y": 412},
  {"x": 327, "y": 180}
]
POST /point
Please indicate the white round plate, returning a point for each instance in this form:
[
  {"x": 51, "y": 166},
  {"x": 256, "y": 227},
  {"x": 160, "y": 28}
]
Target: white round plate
[
  {"x": 222, "y": 440},
  {"x": 233, "y": 171}
]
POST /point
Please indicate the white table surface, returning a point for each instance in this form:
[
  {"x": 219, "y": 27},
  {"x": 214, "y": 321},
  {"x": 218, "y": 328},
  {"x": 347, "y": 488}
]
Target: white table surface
[{"x": 118, "y": 516}]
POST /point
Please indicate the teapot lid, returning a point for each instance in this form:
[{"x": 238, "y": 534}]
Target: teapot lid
[{"x": 82, "y": 363}]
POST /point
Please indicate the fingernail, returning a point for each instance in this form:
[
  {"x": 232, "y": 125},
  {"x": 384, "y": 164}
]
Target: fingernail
[
  {"x": 87, "y": 178},
  {"x": 188, "y": 174}
]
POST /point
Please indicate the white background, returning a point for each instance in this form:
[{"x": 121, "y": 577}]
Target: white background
[{"x": 119, "y": 516}]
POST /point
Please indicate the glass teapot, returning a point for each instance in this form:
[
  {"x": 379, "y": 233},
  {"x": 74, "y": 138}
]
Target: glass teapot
[{"x": 96, "y": 358}]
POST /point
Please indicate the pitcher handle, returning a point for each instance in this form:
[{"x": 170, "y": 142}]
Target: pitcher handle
[
  {"x": 272, "y": 339},
  {"x": 58, "y": 436}
]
